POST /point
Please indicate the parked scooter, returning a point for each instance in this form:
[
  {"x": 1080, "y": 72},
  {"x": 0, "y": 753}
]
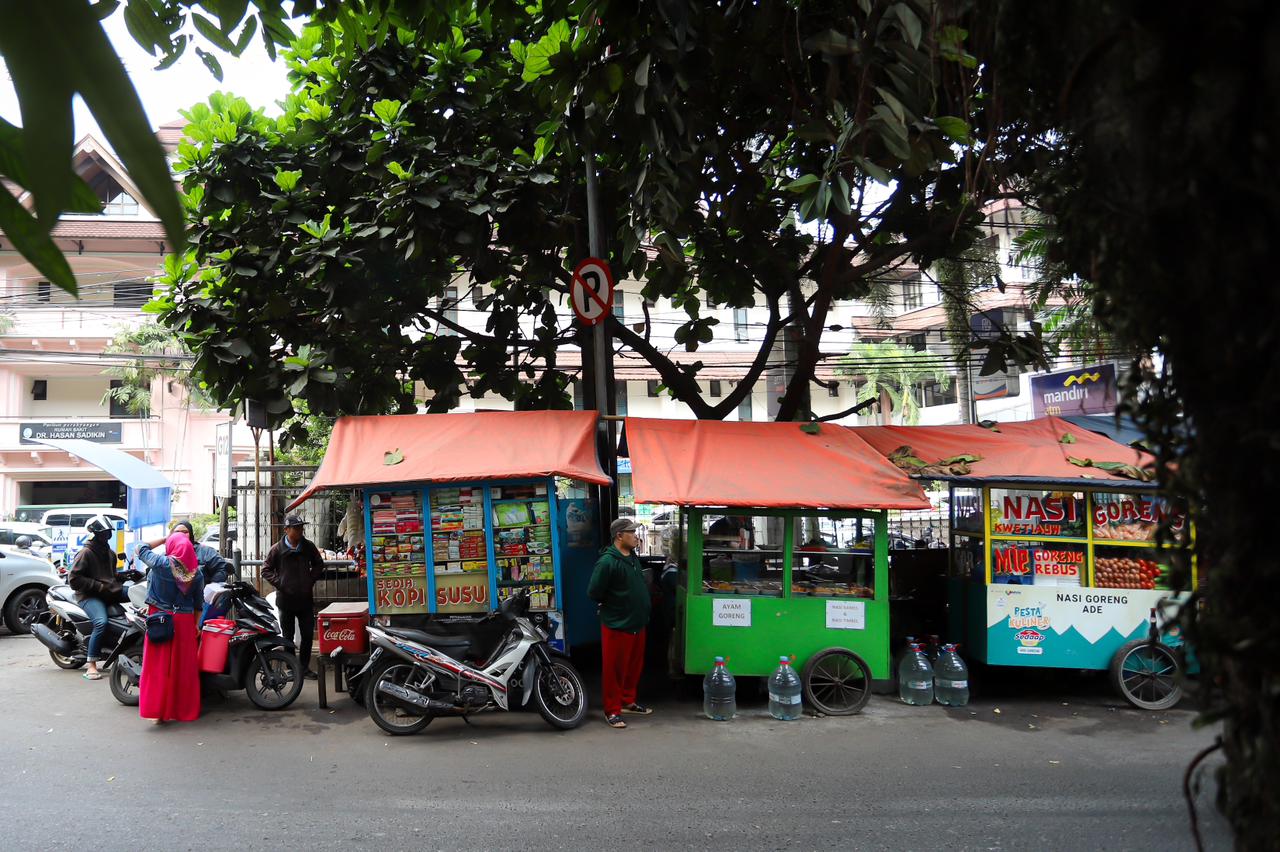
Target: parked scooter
[
  {"x": 260, "y": 660},
  {"x": 414, "y": 676},
  {"x": 65, "y": 628}
]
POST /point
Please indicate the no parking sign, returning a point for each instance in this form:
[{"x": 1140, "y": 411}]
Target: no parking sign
[{"x": 591, "y": 293}]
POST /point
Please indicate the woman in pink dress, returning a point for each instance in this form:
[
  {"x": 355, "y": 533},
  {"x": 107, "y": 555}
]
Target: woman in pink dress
[{"x": 170, "y": 686}]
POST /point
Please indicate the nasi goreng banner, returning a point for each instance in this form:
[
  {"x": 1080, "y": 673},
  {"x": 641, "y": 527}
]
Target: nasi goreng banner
[{"x": 1068, "y": 627}]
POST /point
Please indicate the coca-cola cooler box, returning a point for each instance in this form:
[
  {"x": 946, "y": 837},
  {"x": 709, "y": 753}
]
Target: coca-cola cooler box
[{"x": 342, "y": 625}]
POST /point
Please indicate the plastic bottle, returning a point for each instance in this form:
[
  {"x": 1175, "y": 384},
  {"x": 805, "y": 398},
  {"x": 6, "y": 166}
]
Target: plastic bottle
[
  {"x": 915, "y": 677},
  {"x": 951, "y": 678},
  {"x": 719, "y": 693},
  {"x": 784, "y": 692}
]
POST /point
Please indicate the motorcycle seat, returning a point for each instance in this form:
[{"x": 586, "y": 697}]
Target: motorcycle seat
[
  {"x": 115, "y": 611},
  {"x": 448, "y": 644}
]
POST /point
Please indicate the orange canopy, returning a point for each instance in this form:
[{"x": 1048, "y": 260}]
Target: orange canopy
[
  {"x": 459, "y": 448},
  {"x": 714, "y": 463},
  {"x": 1030, "y": 449}
]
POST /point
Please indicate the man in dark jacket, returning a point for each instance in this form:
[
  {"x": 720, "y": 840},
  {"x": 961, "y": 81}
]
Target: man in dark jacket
[
  {"x": 293, "y": 565},
  {"x": 618, "y": 584},
  {"x": 93, "y": 576}
]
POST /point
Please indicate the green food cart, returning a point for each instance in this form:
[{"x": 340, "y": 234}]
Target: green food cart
[
  {"x": 1055, "y": 561},
  {"x": 782, "y": 548}
]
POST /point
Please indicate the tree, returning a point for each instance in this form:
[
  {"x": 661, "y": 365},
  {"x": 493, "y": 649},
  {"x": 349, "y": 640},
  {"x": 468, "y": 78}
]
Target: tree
[
  {"x": 55, "y": 50},
  {"x": 749, "y": 162},
  {"x": 159, "y": 354},
  {"x": 1150, "y": 138},
  {"x": 892, "y": 373}
]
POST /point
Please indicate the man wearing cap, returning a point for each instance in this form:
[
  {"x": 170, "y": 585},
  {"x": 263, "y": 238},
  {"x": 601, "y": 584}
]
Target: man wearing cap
[
  {"x": 618, "y": 586},
  {"x": 293, "y": 565}
]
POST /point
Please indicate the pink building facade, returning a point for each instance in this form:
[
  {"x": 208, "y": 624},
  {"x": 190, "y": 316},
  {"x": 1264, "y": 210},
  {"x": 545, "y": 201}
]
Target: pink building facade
[{"x": 54, "y": 373}]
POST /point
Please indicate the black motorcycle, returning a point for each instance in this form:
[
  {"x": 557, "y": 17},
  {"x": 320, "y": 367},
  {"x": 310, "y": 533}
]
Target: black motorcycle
[
  {"x": 64, "y": 628},
  {"x": 260, "y": 660}
]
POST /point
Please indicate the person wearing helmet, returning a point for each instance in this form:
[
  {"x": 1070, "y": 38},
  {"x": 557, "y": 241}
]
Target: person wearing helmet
[
  {"x": 93, "y": 577},
  {"x": 23, "y": 542}
]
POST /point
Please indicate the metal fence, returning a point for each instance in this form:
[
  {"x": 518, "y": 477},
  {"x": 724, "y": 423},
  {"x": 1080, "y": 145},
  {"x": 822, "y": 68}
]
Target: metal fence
[
  {"x": 915, "y": 528},
  {"x": 261, "y": 495}
]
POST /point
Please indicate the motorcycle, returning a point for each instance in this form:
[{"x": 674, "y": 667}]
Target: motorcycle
[
  {"x": 65, "y": 628},
  {"x": 414, "y": 676},
  {"x": 260, "y": 660}
]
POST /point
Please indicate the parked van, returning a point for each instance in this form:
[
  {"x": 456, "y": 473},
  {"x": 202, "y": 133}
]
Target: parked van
[{"x": 75, "y": 517}]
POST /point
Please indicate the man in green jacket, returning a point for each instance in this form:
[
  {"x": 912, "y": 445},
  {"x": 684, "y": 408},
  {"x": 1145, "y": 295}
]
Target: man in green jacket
[{"x": 618, "y": 586}]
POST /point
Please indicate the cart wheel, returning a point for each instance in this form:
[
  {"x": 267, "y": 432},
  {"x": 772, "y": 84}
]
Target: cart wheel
[
  {"x": 1147, "y": 676},
  {"x": 836, "y": 682}
]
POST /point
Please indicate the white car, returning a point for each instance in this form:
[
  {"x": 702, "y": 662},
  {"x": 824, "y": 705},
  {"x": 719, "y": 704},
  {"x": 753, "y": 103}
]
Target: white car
[
  {"x": 24, "y": 580},
  {"x": 41, "y": 545}
]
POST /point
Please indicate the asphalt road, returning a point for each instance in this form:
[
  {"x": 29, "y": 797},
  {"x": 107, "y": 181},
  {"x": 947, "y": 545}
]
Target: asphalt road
[{"x": 1043, "y": 765}]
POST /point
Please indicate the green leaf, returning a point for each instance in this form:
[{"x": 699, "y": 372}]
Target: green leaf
[
  {"x": 210, "y": 30},
  {"x": 955, "y": 129},
  {"x": 287, "y": 180},
  {"x": 34, "y": 243},
  {"x": 911, "y": 26},
  {"x": 641, "y": 75},
  {"x": 614, "y": 77},
  {"x": 802, "y": 183},
  {"x": 387, "y": 111},
  {"x": 1067, "y": 438},
  {"x": 393, "y": 458},
  {"x": 811, "y": 428}
]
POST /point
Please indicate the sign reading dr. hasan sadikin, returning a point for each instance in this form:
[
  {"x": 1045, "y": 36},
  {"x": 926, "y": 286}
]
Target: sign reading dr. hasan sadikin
[
  {"x": 1085, "y": 390},
  {"x": 100, "y": 433}
]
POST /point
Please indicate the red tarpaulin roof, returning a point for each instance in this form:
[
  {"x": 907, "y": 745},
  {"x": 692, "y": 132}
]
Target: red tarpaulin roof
[
  {"x": 1029, "y": 449},
  {"x": 459, "y": 448},
  {"x": 714, "y": 463}
]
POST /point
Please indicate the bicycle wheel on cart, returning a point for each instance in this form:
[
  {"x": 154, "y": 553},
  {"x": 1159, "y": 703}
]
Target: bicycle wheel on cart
[
  {"x": 836, "y": 682},
  {"x": 1147, "y": 675}
]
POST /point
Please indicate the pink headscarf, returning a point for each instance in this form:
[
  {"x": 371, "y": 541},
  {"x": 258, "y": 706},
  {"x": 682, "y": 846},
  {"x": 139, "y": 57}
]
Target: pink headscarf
[{"x": 184, "y": 564}]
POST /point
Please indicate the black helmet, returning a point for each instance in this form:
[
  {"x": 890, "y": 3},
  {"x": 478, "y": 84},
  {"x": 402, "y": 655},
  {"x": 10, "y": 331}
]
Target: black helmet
[
  {"x": 23, "y": 541},
  {"x": 99, "y": 526}
]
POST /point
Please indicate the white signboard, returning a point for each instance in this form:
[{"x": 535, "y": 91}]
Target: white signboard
[
  {"x": 846, "y": 615},
  {"x": 222, "y": 461},
  {"x": 731, "y": 612}
]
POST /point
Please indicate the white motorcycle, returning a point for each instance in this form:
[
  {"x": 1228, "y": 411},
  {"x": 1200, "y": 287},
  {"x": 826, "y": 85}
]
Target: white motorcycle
[{"x": 414, "y": 676}]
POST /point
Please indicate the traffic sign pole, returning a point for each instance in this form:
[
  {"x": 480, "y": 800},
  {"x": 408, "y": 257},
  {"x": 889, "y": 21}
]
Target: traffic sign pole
[{"x": 607, "y": 441}]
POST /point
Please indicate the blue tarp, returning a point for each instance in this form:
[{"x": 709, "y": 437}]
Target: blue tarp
[{"x": 150, "y": 491}]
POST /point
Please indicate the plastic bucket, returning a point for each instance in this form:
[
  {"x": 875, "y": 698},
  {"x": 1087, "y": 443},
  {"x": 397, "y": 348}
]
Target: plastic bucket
[{"x": 215, "y": 640}]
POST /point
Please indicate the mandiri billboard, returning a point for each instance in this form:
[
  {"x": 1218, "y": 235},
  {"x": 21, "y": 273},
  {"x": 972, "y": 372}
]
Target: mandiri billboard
[{"x": 1083, "y": 390}]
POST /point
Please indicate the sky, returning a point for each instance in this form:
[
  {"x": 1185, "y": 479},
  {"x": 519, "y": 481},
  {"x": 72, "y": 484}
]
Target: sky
[{"x": 253, "y": 76}]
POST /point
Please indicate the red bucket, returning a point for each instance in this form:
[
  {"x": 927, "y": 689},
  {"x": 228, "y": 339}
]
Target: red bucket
[{"x": 215, "y": 640}]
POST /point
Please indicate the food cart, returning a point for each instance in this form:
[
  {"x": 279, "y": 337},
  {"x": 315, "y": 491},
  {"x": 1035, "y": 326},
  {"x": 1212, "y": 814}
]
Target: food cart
[
  {"x": 461, "y": 510},
  {"x": 1054, "y": 554},
  {"x": 781, "y": 546}
]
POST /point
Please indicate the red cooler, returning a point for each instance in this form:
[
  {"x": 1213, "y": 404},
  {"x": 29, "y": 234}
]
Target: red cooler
[
  {"x": 215, "y": 640},
  {"x": 341, "y": 625}
]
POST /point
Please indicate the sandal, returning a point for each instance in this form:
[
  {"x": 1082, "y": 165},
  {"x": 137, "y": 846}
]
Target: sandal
[
  {"x": 637, "y": 709},
  {"x": 615, "y": 722},
  {"x": 92, "y": 675}
]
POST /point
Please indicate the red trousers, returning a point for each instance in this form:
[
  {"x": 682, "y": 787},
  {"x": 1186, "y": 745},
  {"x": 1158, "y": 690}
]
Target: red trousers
[{"x": 623, "y": 656}]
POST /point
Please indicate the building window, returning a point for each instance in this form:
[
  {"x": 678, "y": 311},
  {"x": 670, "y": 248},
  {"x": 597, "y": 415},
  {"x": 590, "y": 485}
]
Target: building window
[
  {"x": 620, "y": 398},
  {"x": 916, "y": 342},
  {"x": 933, "y": 394},
  {"x": 115, "y": 201},
  {"x": 131, "y": 294},
  {"x": 477, "y": 295},
  {"x": 578, "y": 403},
  {"x": 716, "y": 389},
  {"x": 740, "y": 324},
  {"x": 744, "y": 408},
  {"x": 912, "y": 293},
  {"x": 651, "y": 388},
  {"x": 619, "y": 308},
  {"x": 449, "y": 307},
  {"x": 40, "y": 390},
  {"x": 118, "y": 408},
  {"x": 833, "y": 389},
  {"x": 44, "y": 291}
]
